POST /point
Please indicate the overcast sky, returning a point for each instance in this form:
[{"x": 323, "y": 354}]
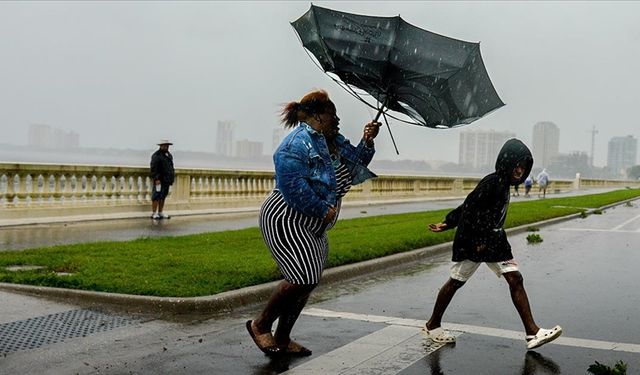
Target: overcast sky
[{"x": 125, "y": 74}]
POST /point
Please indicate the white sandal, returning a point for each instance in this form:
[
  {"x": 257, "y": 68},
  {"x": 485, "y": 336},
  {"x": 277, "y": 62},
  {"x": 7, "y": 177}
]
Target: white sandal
[
  {"x": 543, "y": 336},
  {"x": 439, "y": 335}
]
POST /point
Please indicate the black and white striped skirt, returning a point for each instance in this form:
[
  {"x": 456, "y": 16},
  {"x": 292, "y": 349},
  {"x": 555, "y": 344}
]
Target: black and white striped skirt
[{"x": 297, "y": 242}]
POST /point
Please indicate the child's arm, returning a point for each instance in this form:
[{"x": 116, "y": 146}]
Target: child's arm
[{"x": 438, "y": 227}]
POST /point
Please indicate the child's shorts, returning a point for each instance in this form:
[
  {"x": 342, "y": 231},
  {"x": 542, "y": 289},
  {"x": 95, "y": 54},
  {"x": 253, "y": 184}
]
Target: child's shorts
[{"x": 463, "y": 270}]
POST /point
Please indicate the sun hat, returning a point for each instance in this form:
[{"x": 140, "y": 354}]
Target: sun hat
[{"x": 164, "y": 142}]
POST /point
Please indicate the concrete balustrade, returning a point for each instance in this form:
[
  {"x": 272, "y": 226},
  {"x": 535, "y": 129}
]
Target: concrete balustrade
[{"x": 36, "y": 193}]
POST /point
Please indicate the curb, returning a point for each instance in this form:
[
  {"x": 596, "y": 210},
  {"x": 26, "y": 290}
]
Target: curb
[{"x": 234, "y": 299}]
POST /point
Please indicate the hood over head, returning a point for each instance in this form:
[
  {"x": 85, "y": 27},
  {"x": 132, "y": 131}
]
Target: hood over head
[{"x": 514, "y": 152}]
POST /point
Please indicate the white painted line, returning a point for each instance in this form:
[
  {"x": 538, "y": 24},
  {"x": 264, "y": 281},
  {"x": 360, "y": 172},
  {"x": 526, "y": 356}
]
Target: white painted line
[
  {"x": 387, "y": 351},
  {"x": 486, "y": 331},
  {"x": 597, "y": 230},
  {"x": 626, "y": 222}
]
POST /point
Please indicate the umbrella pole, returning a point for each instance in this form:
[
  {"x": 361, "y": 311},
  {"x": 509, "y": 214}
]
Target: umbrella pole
[{"x": 380, "y": 112}]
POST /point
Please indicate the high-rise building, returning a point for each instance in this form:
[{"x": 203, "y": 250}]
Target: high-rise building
[
  {"x": 45, "y": 136},
  {"x": 479, "y": 148},
  {"x": 546, "y": 143},
  {"x": 248, "y": 149},
  {"x": 224, "y": 138},
  {"x": 622, "y": 153}
]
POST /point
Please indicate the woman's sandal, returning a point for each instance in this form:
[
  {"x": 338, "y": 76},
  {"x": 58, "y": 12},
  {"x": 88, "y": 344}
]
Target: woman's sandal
[
  {"x": 295, "y": 349},
  {"x": 542, "y": 337},
  {"x": 439, "y": 335},
  {"x": 264, "y": 341}
]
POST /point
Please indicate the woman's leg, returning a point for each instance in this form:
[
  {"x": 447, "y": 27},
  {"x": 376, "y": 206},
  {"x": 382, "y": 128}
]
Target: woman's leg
[
  {"x": 289, "y": 317},
  {"x": 281, "y": 301}
]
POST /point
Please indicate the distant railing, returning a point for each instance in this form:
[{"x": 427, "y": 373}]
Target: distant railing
[{"x": 42, "y": 192}]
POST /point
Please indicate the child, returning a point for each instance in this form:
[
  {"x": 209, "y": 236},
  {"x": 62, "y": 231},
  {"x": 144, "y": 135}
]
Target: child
[{"x": 480, "y": 238}]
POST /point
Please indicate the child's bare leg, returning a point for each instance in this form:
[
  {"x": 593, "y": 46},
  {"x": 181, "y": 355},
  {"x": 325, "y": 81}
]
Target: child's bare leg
[
  {"x": 445, "y": 296},
  {"x": 521, "y": 301}
]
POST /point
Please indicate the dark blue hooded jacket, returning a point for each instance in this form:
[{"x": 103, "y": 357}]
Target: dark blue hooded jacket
[{"x": 479, "y": 219}]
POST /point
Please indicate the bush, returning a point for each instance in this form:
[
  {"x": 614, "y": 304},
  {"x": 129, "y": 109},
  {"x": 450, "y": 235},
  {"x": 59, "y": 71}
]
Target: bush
[
  {"x": 598, "y": 368},
  {"x": 534, "y": 238}
]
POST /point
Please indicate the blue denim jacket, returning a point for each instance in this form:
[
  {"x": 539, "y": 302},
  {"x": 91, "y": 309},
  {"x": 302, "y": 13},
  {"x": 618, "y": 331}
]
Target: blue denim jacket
[{"x": 305, "y": 174}]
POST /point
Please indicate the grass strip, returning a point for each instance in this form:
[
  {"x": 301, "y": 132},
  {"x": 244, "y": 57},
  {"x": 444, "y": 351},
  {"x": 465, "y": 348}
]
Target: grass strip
[{"x": 210, "y": 263}]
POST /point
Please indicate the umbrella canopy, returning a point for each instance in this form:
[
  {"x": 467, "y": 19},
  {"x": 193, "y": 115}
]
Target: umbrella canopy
[{"x": 438, "y": 82}]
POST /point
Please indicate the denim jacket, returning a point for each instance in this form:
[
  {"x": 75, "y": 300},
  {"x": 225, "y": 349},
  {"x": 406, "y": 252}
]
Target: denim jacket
[{"x": 305, "y": 174}]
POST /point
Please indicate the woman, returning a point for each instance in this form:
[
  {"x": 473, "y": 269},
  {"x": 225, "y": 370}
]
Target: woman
[{"x": 315, "y": 167}]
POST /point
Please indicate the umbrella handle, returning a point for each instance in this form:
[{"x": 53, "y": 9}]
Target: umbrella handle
[
  {"x": 378, "y": 115},
  {"x": 381, "y": 112}
]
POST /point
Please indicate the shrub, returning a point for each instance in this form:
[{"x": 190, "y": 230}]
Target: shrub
[
  {"x": 598, "y": 368},
  {"x": 534, "y": 238}
]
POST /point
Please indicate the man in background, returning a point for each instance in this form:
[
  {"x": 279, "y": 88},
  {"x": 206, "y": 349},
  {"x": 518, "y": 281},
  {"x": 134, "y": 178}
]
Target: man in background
[{"x": 162, "y": 174}]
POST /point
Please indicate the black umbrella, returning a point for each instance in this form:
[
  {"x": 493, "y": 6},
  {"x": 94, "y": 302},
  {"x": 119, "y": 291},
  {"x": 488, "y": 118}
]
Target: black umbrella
[{"x": 436, "y": 81}]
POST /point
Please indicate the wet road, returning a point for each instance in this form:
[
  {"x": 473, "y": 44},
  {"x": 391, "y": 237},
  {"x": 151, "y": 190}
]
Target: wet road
[{"x": 583, "y": 276}]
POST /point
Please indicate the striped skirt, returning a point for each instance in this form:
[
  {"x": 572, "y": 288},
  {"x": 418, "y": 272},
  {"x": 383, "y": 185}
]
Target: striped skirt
[{"x": 297, "y": 242}]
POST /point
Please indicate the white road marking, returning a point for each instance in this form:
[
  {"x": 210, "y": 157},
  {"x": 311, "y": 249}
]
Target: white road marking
[
  {"x": 486, "y": 331},
  {"x": 626, "y": 222},
  {"x": 598, "y": 230},
  {"x": 386, "y": 351}
]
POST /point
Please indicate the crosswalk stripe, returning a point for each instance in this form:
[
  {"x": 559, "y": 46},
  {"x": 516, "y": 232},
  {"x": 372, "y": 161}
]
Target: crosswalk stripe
[
  {"x": 486, "y": 331},
  {"x": 626, "y": 222},
  {"x": 386, "y": 351}
]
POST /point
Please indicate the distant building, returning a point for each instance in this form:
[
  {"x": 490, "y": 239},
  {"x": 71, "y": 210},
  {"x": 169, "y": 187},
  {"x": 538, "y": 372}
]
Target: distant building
[
  {"x": 546, "y": 143},
  {"x": 479, "y": 148},
  {"x": 278, "y": 135},
  {"x": 225, "y": 138},
  {"x": 622, "y": 154},
  {"x": 45, "y": 136},
  {"x": 567, "y": 165},
  {"x": 248, "y": 149}
]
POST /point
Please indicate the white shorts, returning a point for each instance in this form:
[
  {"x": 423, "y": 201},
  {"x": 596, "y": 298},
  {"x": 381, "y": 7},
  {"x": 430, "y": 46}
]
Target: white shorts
[{"x": 462, "y": 271}]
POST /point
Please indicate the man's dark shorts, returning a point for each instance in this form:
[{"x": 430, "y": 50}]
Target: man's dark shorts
[{"x": 160, "y": 195}]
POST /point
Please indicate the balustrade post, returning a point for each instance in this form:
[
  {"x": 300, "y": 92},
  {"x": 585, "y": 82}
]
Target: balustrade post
[
  {"x": 181, "y": 190},
  {"x": 458, "y": 186},
  {"x": 576, "y": 182},
  {"x": 366, "y": 189}
]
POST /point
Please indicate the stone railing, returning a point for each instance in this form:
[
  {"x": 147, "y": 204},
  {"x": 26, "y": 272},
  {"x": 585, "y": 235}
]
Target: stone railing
[{"x": 31, "y": 193}]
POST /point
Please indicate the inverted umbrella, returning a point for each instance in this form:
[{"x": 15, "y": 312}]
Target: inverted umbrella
[{"x": 437, "y": 81}]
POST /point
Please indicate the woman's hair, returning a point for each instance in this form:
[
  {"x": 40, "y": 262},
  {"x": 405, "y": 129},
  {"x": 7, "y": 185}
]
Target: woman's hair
[{"x": 315, "y": 102}]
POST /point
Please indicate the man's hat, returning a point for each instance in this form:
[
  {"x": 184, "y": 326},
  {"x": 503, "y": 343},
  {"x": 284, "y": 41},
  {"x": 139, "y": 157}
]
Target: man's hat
[{"x": 164, "y": 142}]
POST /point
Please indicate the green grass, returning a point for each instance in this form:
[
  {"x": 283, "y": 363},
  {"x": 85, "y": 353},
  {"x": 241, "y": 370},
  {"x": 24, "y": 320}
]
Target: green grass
[
  {"x": 210, "y": 263},
  {"x": 534, "y": 239}
]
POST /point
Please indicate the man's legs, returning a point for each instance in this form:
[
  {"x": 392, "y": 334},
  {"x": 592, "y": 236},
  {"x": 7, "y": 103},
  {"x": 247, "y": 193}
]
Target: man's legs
[
  {"x": 160, "y": 206},
  {"x": 445, "y": 296},
  {"x": 521, "y": 301},
  {"x": 154, "y": 206}
]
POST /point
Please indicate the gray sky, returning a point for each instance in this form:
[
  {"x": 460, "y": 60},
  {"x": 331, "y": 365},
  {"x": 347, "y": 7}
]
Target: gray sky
[{"x": 124, "y": 74}]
